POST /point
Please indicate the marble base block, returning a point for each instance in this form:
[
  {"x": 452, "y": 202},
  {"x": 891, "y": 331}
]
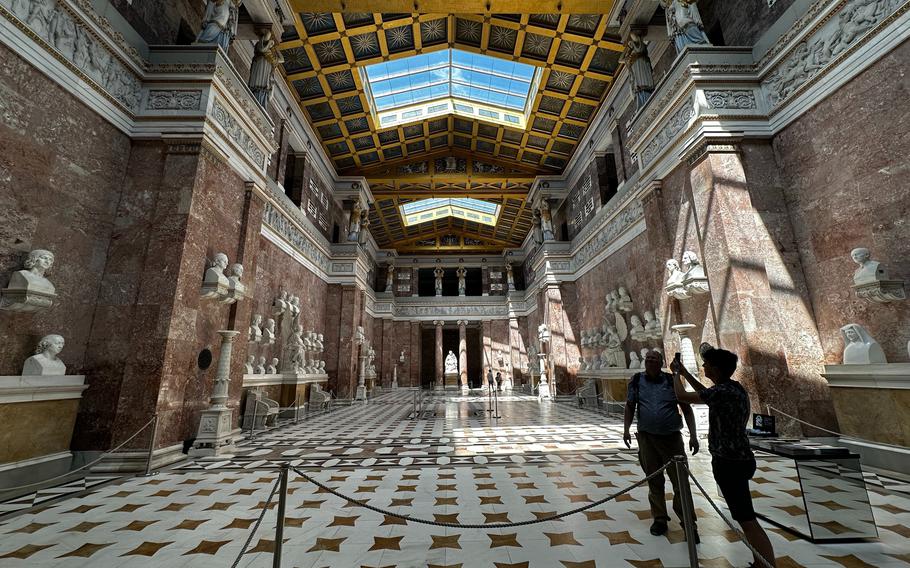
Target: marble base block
[{"x": 215, "y": 434}]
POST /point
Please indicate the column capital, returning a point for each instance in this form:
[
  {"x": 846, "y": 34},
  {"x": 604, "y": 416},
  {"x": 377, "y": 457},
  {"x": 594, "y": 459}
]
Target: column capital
[
  {"x": 438, "y": 323},
  {"x": 462, "y": 323}
]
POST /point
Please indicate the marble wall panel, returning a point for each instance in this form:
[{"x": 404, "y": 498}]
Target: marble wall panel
[
  {"x": 162, "y": 22},
  {"x": 841, "y": 163},
  {"x": 58, "y": 190},
  {"x": 741, "y": 22}
]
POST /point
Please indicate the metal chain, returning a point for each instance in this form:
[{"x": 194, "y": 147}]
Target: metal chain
[
  {"x": 249, "y": 538},
  {"x": 730, "y": 524},
  {"x": 483, "y": 526},
  {"x": 839, "y": 434},
  {"x": 88, "y": 465}
]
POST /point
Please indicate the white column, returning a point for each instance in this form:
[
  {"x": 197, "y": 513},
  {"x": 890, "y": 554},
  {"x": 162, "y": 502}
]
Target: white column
[{"x": 214, "y": 434}]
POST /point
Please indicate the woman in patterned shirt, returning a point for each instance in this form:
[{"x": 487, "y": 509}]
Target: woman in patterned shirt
[{"x": 732, "y": 460}]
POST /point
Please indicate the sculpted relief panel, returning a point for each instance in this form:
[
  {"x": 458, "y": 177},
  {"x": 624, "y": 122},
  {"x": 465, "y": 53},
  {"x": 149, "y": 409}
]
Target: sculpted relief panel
[
  {"x": 52, "y": 23},
  {"x": 274, "y": 218},
  {"x": 834, "y": 39}
]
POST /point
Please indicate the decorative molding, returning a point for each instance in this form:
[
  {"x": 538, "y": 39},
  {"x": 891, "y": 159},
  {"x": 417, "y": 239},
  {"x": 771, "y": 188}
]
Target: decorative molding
[
  {"x": 17, "y": 389},
  {"x": 609, "y": 232},
  {"x": 235, "y": 132},
  {"x": 883, "y": 376},
  {"x": 174, "y": 99},
  {"x": 731, "y": 99},
  {"x": 290, "y": 231},
  {"x": 61, "y": 31},
  {"x": 677, "y": 123}
]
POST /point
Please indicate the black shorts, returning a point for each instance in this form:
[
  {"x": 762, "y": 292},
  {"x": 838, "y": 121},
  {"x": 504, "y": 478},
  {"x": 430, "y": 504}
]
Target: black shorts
[{"x": 732, "y": 478}]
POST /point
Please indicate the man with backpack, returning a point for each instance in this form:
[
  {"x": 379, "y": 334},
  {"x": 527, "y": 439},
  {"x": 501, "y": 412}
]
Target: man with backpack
[{"x": 659, "y": 435}]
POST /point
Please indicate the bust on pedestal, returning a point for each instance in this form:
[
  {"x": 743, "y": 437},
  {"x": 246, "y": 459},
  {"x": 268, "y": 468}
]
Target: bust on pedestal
[
  {"x": 28, "y": 290},
  {"x": 871, "y": 282},
  {"x": 45, "y": 362}
]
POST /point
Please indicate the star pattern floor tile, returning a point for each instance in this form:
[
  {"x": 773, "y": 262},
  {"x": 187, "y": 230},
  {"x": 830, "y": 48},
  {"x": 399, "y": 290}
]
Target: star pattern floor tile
[{"x": 451, "y": 464}]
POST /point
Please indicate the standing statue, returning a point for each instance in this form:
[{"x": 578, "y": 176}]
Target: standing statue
[
  {"x": 546, "y": 223},
  {"x": 219, "y": 24},
  {"x": 538, "y": 231},
  {"x": 364, "y": 227},
  {"x": 354, "y": 226},
  {"x": 45, "y": 361},
  {"x": 461, "y": 272},
  {"x": 860, "y": 348},
  {"x": 295, "y": 354},
  {"x": 390, "y": 278},
  {"x": 640, "y": 71},
  {"x": 684, "y": 24},
  {"x": 438, "y": 272},
  {"x": 261, "y": 77},
  {"x": 510, "y": 278},
  {"x": 451, "y": 363}
]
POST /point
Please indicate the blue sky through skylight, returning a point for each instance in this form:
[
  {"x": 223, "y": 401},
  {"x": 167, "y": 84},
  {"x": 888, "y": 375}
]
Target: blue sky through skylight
[
  {"x": 450, "y": 73},
  {"x": 423, "y": 210}
]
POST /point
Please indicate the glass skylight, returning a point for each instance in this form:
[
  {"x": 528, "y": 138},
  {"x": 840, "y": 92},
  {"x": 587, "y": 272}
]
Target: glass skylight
[
  {"x": 442, "y": 77},
  {"x": 466, "y": 208}
]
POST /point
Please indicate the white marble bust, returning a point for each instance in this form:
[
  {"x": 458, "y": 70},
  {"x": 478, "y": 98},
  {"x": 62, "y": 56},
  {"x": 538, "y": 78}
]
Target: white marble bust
[
  {"x": 236, "y": 288},
  {"x": 45, "y": 361},
  {"x": 634, "y": 361},
  {"x": 653, "y": 326},
  {"x": 268, "y": 332},
  {"x": 33, "y": 278},
  {"x": 273, "y": 368},
  {"x": 625, "y": 302},
  {"x": 451, "y": 363},
  {"x": 869, "y": 270},
  {"x": 215, "y": 284},
  {"x": 260, "y": 368},
  {"x": 255, "y": 331},
  {"x": 637, "y": 332},
  {"x": 674, "y": 285},
  {"x": 249, "y": 365},
  {"x": 860, "y": 348},
  {"x": 294, "y": 306},
  {"x": 694, "y": 279},
  {"x": 29, "y": 290}
]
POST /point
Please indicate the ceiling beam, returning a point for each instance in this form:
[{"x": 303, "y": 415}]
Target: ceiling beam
[{"x": 456, "y": 6}]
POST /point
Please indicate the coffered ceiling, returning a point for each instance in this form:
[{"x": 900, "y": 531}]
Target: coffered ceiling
[{"x": 578, "y": 57}]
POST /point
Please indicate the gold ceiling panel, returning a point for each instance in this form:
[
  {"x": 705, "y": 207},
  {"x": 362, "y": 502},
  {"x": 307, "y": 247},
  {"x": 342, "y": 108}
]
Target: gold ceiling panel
[
  {"x": 577, "y": 52},
  {"x": 457, "y": 6}
]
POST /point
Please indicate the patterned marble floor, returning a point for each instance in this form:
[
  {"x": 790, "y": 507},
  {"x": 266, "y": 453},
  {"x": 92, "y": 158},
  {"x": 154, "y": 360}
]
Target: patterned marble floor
[{"x": 455, "y": 464}]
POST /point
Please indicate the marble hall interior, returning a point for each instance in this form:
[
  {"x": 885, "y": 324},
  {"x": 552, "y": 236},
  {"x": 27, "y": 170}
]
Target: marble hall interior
[{"x": 288, "y": 284}]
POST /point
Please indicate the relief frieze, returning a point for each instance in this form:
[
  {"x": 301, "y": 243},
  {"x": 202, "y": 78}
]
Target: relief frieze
[{"x": 54, "y": 26}]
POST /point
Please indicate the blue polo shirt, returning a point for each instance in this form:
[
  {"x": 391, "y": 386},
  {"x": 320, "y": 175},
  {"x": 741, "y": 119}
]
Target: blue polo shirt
[{"x": 658, "y": 407}]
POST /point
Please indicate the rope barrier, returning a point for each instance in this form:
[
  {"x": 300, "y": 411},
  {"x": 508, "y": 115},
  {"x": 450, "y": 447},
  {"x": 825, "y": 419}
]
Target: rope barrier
[
  {"x": 249, "y": 538},
  {"x": 839, "y": 434},
  {"x": 729, "y": 523},
  {"x": 90, "y": 464},
  {"x": 489, "y": 526}
]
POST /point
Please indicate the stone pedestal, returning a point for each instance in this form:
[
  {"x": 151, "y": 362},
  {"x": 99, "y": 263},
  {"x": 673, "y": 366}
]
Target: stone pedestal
[
  {"x": 395, "y": 377},
  {"x": 451, "y": 381},
  {"x": 361, "y": 394},
  {"x": 214, "y": 434}
]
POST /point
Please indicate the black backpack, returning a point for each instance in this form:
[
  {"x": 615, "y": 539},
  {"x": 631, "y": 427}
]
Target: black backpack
[{"x": 636, "y": 378}]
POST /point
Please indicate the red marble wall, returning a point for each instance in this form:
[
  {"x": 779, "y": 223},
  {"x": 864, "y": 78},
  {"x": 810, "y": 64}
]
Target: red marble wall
[
  {"x": 59, "y": 191},
  {"x": 842, "y": 165}
]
